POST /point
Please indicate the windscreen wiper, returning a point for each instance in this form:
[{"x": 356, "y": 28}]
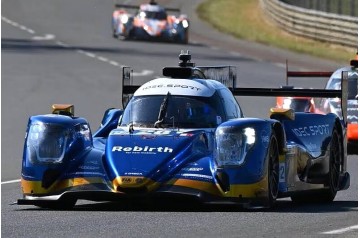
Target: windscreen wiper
[{"x": 162, "y": 112}]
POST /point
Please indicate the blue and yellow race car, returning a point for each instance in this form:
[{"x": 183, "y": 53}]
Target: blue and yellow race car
[{"x": 185, "y": 136}]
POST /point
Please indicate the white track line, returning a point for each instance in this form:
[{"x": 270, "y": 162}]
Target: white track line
[
  {"x": 11, "y": 181},
  {"x": 340, "y": 231},
  {"x": 48, "y": 37}
]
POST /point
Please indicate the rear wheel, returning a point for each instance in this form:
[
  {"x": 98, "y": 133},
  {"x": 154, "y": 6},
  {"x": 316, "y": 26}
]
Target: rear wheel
[
  {"x": 333, "y": 177},
  {"x": 273, "y": 172},
  {"x": 334, "y": 169}
]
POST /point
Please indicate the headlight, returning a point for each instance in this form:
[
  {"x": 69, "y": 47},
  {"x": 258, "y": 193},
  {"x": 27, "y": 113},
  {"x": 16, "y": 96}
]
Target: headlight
[
  {"x": 185, "y": 23},
  {"x": 287, "y": 103},
  {"x": 231, "y": 147},
  {"x": 47, "y": 143},
  {"x": 124, "y": 19}
]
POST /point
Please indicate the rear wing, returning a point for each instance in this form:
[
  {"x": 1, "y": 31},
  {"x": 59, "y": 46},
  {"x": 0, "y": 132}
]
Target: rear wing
[
  {"x": 227, "y": 76},
  {"x": 126, "y": 6},
  {"x": 305, "y": 74},
  {"x": 224, "y": 74},
  {"x": 134, "y": 7},
  {"x": 293, "y": 92}
]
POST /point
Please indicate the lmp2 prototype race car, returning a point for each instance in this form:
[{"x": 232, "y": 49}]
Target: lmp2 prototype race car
[
  {"x": 150, "y": 22},
  {"x": 327, "y": 105},
  {"x": 184, "y": 136}
]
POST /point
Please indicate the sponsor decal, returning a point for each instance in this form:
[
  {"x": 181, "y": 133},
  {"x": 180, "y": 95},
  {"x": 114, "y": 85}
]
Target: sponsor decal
[
  {"x": 142, "y": 150},
  {"x": 311, "y": 146},
  {"x": 88, "y": 167},
  {"x": 193, "y": 169},
  {"x": 84, "y": 173},
  {"x": 172, "y": 86},
  {"x": 314, "y": 130},
  {"x": 186, "y": 134},
  {"x": 148, "y": 137},
  {"x": 265, "y": 138},
  {"x": 153, "y": 132},
  {"x": 126, "y": 180},
  {"x": 202, "y": 176},
  {"x": 132, "y": 180},
  {"x": 134, "y": 173}
]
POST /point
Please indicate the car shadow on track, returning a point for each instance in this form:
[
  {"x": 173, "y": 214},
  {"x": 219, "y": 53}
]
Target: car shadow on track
[{"x": 281, "y": 206}]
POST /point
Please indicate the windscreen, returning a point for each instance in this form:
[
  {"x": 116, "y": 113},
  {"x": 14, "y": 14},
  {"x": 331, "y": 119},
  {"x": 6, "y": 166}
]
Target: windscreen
[
  {"x": 157, "y": 15},
  {"x": 180, "y": 112},
  {"x": 300, "y": 105},
  {"x": 335, "y": 83}
]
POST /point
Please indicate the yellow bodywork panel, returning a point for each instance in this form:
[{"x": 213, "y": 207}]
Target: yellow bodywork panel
[
  {"x": 34, "y": 187},
  {"x": 288, "y": 113},
  {"x": 63, "y": 109},
  {"x": 199, "y": 185},
  {"x": 259, "y": 189}
]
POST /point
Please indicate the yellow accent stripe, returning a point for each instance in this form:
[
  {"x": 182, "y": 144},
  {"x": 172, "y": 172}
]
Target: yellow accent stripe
[
  {"x": 199, "y": 185},
  {"x": 34, "y": 187},
  {"x": 134, "y": 182},
  {"x": 258, "y": 189},
  {"x": 281, "y": 158}
]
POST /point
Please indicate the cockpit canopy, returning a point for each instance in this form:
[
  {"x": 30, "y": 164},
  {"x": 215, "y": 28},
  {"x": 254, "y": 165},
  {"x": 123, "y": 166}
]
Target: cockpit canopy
[
  {"x": 156, "y": 15},
  {"x": 180, "y": 111},
  {"x": 335, "y": 81}
]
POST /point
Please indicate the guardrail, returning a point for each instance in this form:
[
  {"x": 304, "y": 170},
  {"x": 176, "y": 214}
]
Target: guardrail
[{"x": 327, "y": 27}]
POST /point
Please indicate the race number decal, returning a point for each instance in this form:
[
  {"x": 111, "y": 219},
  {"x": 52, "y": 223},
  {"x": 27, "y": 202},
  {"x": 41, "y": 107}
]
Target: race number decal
[{"x": 281, "y": 172}]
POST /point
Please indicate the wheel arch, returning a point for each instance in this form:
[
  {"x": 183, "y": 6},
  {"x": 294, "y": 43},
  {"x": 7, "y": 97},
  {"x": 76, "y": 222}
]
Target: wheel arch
[
  {"x": 339, "y": 128},
  {"x": 280, "y": 136}
]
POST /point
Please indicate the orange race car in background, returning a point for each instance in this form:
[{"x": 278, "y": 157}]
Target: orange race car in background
[
  {"x": 326, "y": 105},
  {"x": 150, "y": 22}
]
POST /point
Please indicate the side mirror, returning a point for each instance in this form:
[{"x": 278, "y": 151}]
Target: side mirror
[
  {"x": 127, "y": 78},
  {"x": 354, "y": 63},
  {"x": 127, "y": 75},
  {"x": 126, "y": 99}
]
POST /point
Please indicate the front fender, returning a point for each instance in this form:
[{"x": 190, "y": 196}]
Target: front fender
[
  {"x": 241, "y": 148},
  {"x": 51, "y": 143}
]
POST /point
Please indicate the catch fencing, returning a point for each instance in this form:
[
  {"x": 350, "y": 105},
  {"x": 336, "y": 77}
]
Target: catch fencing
[
  {"x": 318, "y": 25},
  {"x": 340, "y": 7}
]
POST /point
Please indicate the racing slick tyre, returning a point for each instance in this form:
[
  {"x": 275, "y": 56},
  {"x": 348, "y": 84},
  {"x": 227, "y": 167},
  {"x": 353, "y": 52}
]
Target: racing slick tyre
[
  {"x": 273, "y": 172},
  {"x": 113, "y": 29},
  {"x": 333, "y": 177}
]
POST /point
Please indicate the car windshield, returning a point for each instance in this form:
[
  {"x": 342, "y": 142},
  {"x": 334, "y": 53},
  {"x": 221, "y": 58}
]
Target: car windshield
[
  {"x": 353, "y": 86},
  {"x": 157, "y": 15},
  {"x": 179, "y": 112},
  {"x": 300, "y": 105}
]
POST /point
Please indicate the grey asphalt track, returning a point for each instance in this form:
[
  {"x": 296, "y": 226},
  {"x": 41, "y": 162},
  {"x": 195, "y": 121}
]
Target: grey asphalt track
[{"x": 62, "y": 51}]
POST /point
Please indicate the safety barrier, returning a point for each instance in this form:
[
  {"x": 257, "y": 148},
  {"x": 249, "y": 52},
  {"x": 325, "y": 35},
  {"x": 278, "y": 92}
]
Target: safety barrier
[{"x": 327, "y": 27}]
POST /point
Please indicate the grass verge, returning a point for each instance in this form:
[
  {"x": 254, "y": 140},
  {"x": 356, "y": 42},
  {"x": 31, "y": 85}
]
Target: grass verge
[{"x": 244, "y": 19}]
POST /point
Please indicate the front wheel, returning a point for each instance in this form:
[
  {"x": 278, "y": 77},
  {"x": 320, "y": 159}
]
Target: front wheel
[{"x": 273, "y": 172}]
